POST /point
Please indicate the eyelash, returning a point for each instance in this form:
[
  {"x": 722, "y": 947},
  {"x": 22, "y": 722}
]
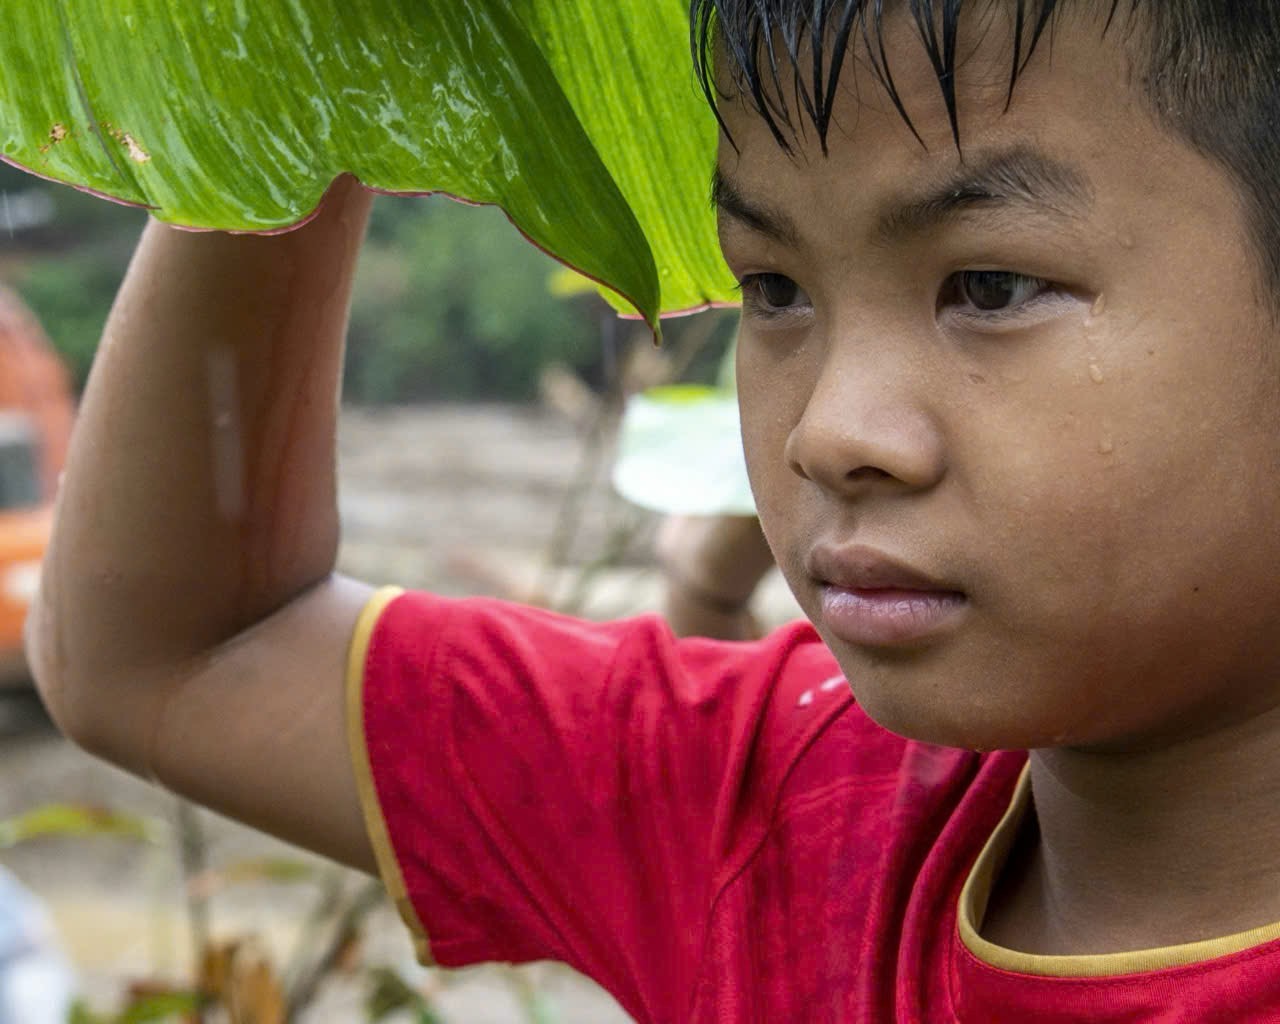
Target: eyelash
[
  {"x": 953, "y": 298},
  {"x": 753, "y": 305}
]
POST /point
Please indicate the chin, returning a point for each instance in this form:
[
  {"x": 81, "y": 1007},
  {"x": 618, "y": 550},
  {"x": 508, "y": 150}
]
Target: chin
[
  {"x": 959, "y": 693},
  {"x": 992, "y": 723}
]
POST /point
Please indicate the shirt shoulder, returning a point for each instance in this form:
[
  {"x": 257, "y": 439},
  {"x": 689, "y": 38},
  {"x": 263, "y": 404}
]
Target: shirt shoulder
[{"x": 553, "y": 788}]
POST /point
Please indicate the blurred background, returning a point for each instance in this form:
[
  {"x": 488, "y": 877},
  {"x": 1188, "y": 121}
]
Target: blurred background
[{"x": 483, "y": 391}]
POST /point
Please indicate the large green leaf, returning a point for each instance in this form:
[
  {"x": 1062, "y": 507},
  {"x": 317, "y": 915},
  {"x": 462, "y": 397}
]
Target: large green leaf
[{"x": 578, "y": 118}]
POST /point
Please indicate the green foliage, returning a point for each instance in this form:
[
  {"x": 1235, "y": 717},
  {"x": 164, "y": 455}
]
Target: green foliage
[
  {"x": 451, "y": 303},
  {"x": 70, "y": 296},
  {"x": 390, "y": 994},
  {"x": 68, "y": 266},
  {"x": 144, "y": 1008},
  {"x": 164, "y": 1006}
]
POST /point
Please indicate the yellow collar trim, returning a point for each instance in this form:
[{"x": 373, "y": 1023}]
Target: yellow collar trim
[{"x": 977, "y": 892}]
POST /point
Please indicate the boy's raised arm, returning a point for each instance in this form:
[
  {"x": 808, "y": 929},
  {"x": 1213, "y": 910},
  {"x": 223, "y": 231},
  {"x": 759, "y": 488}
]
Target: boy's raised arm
[{"x": 190, "y": 627}]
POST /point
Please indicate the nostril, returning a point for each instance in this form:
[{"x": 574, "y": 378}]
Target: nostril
[{"x": 866, "y": 473}]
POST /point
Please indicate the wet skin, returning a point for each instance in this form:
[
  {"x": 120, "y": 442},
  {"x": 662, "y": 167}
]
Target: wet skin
[{"x": 1044, "y": 378}]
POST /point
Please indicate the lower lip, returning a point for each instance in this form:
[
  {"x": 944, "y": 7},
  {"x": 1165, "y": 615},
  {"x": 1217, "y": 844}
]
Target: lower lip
[{"x": 889, "y": 618}]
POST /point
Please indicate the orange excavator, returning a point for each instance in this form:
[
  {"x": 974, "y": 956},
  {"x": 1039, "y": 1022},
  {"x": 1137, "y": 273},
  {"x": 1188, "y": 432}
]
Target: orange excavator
[{"x": 36, "y": 411}]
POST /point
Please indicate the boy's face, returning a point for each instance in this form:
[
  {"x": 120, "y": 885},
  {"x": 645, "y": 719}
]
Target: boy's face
[{"x": 1044, "y": 379}]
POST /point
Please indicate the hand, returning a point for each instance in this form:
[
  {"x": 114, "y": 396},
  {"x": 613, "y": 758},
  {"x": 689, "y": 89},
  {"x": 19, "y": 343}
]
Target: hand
[{"x": 711, "y": 566}]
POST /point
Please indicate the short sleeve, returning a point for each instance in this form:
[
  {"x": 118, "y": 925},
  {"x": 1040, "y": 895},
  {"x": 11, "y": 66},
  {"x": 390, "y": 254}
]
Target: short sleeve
[{"x": 540, "y": 787}]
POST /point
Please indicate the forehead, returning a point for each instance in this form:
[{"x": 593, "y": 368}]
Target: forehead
[
  {"x": 892, "y": 121},
  {"x": 980, "y": 49}
]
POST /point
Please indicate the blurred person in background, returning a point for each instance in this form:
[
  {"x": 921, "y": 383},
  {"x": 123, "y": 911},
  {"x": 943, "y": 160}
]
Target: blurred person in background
[{"x": 711, "y": 567}]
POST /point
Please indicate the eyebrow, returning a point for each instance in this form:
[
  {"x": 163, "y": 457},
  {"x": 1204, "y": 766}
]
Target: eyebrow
[
  {"x": 761, "y": 217},
  {"x": 1017, "y": 177}
]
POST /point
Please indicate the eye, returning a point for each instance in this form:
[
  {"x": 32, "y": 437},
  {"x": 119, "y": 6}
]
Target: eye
[
  {"x": 992, "y": 291},
  {"x": 767, "y": 295}
]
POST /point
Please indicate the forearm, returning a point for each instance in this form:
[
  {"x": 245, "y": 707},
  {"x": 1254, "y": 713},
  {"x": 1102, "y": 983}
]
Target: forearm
[{"x": 200, "y": 487}]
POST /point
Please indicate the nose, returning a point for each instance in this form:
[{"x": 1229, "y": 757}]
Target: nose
[{"x": 866, "y": 427}]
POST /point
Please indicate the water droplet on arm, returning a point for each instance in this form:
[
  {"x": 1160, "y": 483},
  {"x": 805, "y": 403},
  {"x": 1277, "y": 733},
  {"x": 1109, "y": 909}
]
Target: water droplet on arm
[
  {"x": 1099, "y": 306},
  {"x": 228, "y": 447},
  {"x": 1095, "y": 373}
]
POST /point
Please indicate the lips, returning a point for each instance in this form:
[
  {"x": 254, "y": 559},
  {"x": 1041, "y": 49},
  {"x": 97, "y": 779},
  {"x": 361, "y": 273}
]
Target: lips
[
  {"x": 871, "y": 599},
  {"x": 864, "y": 568}
]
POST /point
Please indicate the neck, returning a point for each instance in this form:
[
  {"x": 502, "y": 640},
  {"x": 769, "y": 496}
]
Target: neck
[{"x": 1137, "y": 850}]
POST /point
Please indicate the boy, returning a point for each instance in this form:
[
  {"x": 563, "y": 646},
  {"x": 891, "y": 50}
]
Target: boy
[{"x": 1009, "y": 385}]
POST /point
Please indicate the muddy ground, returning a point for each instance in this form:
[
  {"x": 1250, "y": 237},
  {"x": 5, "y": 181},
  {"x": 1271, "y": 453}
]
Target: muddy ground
[{"x": 454, "y": 499}]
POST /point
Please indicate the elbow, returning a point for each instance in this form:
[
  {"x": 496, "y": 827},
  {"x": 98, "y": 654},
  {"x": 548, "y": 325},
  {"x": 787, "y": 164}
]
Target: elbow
[
  {"x": 93, "y": 714},
  {"x": 44, "y": 667}
]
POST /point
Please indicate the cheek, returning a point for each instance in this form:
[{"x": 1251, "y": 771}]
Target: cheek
[
  {"x": 1139, "y": 519},
  {"x": 771, "y": 400}
]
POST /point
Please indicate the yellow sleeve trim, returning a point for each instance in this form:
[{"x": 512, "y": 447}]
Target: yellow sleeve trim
[
  {"x": 375, "y": 824},
  {"x": 977, "y": 892}
]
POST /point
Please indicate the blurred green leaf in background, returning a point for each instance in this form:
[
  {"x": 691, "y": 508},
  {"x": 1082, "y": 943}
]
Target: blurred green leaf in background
[
  {"x": 680, "y": 453},
  {"x": 449, "y": 304}
]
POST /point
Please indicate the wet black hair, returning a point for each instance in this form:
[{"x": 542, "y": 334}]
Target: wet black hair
[{"x": 1208, "y": 69}]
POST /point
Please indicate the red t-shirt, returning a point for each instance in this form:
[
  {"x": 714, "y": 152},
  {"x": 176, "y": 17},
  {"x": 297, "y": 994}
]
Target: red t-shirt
[{"x": 714, "y": 832}]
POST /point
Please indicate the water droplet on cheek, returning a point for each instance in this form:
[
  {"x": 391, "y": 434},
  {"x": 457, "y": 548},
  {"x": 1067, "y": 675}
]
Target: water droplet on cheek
[{"x": 1095, "y": 373}]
